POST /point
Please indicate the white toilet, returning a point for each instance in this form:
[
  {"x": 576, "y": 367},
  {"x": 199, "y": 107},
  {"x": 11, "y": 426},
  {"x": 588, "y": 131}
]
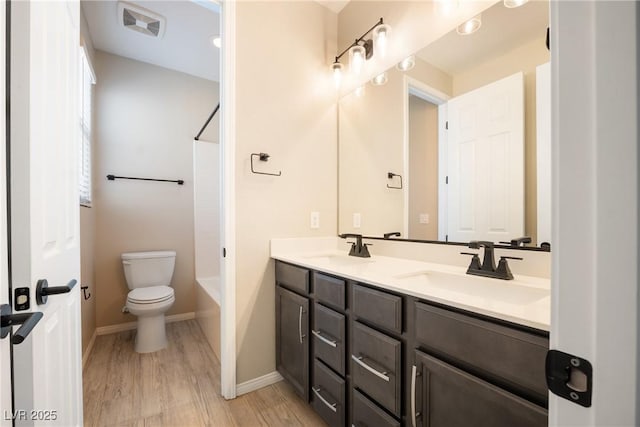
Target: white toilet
[{"x": 148, "y": 276}]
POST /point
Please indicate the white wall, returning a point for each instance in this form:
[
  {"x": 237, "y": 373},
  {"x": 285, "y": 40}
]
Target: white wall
[
  {"x": 146, "y": 118},
  {"x": 285, "y": 106}
]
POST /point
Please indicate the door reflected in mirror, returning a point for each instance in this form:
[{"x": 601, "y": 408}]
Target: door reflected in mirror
[{"x": 457, "y": 147}]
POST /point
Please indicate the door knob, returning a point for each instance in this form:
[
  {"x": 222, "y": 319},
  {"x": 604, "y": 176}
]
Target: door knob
[
  {"x": 43, "y": 290},
  {"x": 26, "y": 320}
]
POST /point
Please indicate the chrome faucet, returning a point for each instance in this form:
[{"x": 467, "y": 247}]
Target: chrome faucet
[
  {"x": 358, "y": 248},
  {"x": 488, "y": 267}
]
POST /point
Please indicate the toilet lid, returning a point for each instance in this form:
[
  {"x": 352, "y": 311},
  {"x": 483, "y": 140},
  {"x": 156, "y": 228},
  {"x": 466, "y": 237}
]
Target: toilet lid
[{"x": 150, "y": 294}]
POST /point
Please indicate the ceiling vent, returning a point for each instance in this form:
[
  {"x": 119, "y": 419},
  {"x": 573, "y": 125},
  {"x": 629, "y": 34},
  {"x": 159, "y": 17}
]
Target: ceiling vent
[{"x": 141, "y": 20}]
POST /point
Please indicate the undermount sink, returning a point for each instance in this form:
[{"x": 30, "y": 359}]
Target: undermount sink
[
  {"x": 507, "y": 291},
  {"x": 339, "y": 260}
]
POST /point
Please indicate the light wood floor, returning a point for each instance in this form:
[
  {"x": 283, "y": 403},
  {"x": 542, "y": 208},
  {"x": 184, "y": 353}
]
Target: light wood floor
[{"x": 177, "y": 386}]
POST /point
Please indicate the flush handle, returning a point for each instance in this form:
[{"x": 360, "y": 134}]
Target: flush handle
[
  {"x": 43, "y": 290},
  {"x": 569, "y": 377}
]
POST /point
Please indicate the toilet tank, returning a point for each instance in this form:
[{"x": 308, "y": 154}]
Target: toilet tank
[{"x": 154, "y": 268}]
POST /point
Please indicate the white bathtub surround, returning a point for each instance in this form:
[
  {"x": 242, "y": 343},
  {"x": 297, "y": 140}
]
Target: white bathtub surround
[
  {"x": 208, "y": 310},
  {"x": 524, "y": 300}
]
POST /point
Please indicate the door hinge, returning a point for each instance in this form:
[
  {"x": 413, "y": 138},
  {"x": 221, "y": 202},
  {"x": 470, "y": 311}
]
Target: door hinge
[
  {"x": 224, "y": 252},
  {"x": 446, "y": 179},
  {"x": 569, "y": 377},
  {"x": 446, "y": 124},
  {"x": 446, "y": 238}
]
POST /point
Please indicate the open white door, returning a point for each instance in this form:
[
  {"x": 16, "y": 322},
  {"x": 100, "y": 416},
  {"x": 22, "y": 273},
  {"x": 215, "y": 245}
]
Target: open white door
[
  {"x": 45, "y": 243},
  {"x": 485, "y": 159},
  {"x": 595, "y": 160}
]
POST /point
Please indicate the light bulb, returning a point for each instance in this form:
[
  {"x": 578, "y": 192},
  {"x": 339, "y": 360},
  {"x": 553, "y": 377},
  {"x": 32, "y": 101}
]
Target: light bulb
[
  {"x": 407, "y": 63},
  {"x": 381, "y": 39},
  {"x": 359, "y": 91},
  {"x": 470, "y": 27},
  {"x": 446, "y": 7},
  {"x": 336, "y": 67},
  {"x": 380, "y": 79},
  {"x": 514, "y": 3},
  {"x": 356, "y": 59},
  {"x": 217, "y": 42}
]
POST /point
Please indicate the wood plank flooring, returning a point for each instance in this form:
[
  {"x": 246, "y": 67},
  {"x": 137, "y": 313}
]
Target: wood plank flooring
[{"x": 177, "y": 386}]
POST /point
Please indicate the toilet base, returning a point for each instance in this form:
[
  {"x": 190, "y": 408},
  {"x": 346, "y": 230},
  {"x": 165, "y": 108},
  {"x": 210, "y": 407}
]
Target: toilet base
[{"x": 151, "y": 334}]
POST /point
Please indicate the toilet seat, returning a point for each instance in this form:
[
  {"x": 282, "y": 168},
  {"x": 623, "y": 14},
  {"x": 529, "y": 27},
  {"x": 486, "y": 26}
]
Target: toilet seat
[{"x": 150, "y": 295}]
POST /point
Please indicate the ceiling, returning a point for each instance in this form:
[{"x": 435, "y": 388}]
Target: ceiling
[
  {"x": 502, "y": 30},
  {"x": 333, "y": 5},
  {"x": 186, "y": 45}
]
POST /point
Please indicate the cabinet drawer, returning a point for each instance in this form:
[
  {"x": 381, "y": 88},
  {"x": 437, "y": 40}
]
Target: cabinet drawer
[
  {"x": 328, "y": 395},
  {"x": 375, "y": 366},
  {"x": 365, "y": 413},
  {"x": 329, "y": 290},
  {"x": 329, "y": 337},
  {"x": 292, "y": 277},
  {"x": 508, "y": 355},
  {"x": 380, "y": 308},
  {"x": 449, "y": 397}
]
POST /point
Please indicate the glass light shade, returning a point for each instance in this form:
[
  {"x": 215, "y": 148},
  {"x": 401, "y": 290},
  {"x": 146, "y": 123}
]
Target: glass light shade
[
  {"x": 356, "y": 59},
  {"x": 359, "y": 91},
  {"x": 470, "y": 27},
  {"x": 380, "y": 79},
  {"x": 407, "y": 63},
  {"x": 381, "y": 39},
  {"x": 514, "y": 3},
  {"x": 336, "y": 69},
  {"x": 446, "y": 7},
  {"x": 217, "y": 42}
]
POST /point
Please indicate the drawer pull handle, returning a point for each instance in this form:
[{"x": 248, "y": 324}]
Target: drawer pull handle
[
  {"x": 331, "y": 406},
  {"x": 300, "y": 334},
  {"x": 323, "y": 339},
  {"x": 375, "y": 372}
]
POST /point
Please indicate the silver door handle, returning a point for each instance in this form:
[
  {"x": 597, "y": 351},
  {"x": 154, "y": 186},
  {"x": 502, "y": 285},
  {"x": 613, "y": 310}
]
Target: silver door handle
[
  {"x": 414, "y": 414},
  {"x": 323, "y": 339},
  {"x": 375, "y": 372},
  {"x": 331, "y": 406},
  {"x": 300, "y": 334}
]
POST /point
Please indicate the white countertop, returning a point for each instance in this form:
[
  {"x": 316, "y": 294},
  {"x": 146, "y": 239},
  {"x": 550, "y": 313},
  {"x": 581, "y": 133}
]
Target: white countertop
[{"x": 525, "y": 300}]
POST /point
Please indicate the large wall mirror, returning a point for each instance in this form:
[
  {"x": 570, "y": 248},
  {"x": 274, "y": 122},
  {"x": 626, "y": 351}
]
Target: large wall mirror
[{"x": 456, "y": 148}]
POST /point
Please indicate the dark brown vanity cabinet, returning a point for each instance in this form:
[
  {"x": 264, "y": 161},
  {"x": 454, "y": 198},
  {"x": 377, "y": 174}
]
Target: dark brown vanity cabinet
[{"x": 292, "y": 328}]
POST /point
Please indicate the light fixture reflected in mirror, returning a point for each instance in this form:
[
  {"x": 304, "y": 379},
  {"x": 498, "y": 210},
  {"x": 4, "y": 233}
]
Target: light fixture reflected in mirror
[
  {"x": 514, "y": 3},
  {"x": 336, "y": 68},
  {"x": 446, "y": 7},
  {"x": 407, "y": 63},
  {"x": 381, "y": 39},
  {"x": 380, "y": 79},
  {"x": 470, "y": 27},
  {"x": 217, "y": 42},
  {"x": 356, "y": 59},
  {"x": 360, "y": 91}
]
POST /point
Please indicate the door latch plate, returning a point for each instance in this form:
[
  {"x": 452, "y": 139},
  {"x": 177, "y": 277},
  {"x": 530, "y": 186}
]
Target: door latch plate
[
  {"x": 22, "y": 300},
  {"x": 569, "y": 377}
]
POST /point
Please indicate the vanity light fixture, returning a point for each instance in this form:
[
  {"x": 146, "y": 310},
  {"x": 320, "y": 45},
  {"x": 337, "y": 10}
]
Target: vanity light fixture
[
  {"x": 380, "y": 79},
  {"x": 514, "y": 3},
  {"x": 470, "y": 26},
  {"x": 217, "y": 41},
  {"x": 407, "y": 63},
  {"x": 359, "y": 92},
  {"x": 362, "y": 49}
]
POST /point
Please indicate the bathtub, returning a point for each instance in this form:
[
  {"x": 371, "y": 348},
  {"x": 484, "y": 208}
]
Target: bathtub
[{"x": 208, "y": 310}]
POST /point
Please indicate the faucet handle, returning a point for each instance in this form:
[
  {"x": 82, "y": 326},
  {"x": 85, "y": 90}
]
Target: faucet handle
[
  {"x": 475, "y": 261},
  {"x": 512, "y": 257},
  {"x": 503, "y": 271}
]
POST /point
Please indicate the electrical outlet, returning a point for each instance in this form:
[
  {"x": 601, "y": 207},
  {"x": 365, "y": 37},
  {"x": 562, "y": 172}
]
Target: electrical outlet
[
  {"x": 357, "y": 220},
  {"x": 424, "y": 218},
  {"x": 315, "y": 220}
]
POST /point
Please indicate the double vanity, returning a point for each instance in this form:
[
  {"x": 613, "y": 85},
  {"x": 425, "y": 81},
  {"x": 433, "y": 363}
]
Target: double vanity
[{"x": 385, "y": 341}]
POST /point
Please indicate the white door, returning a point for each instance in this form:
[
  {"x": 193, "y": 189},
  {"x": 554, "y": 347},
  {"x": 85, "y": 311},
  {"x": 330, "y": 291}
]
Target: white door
[
  {"x": 485, "y": 162},
  {"x": 45, "y": 242},
  {"x": 596, "y": 200},
  {"x": 5, "y": 350}
]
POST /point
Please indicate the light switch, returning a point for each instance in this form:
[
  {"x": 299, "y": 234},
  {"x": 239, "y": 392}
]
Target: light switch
[
  {"x": 357, "y": 220},
  {"x": 315, "y": 220},
  {"x": 424, "y": 218}
]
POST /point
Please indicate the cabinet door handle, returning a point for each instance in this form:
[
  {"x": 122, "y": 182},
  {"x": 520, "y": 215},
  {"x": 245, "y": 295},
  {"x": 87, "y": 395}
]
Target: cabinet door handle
[
  {"x": 300, "y": 334},
  {"x": 323, "y": 339},
  {"x": 414, "y": 414},
  {"x": 375, "y": 372},
  {"x": 332, "y": 406}
]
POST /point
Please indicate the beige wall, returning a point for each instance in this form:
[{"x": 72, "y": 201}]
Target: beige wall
[
  {"x": 423, "y": 168},
  {"x": 524, "y": 58},
  {"x": 147, "y": 117},
  {"x": 285, "y": 107},
  {"x": 87, "y": 229}
]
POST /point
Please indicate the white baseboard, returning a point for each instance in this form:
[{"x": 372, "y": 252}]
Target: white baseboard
[
  {"x": 257, "y": 383},
  {"x": 112, "y": 329},
  {"x": 87, "y": 352}
]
